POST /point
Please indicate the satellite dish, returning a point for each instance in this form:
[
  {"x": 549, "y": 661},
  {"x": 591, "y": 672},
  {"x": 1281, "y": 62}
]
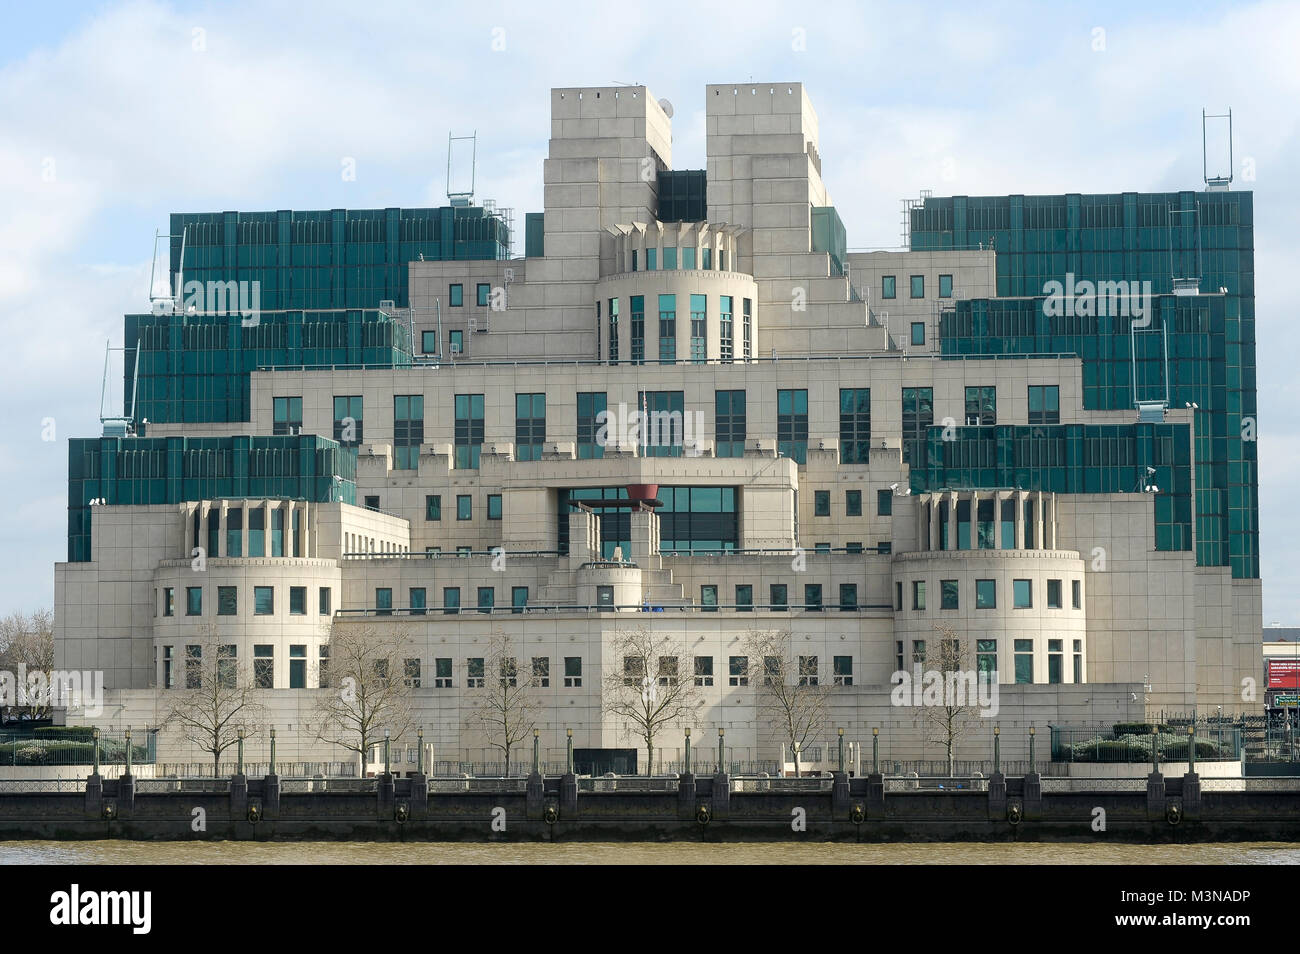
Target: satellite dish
[{"x": 667, "y": 107}]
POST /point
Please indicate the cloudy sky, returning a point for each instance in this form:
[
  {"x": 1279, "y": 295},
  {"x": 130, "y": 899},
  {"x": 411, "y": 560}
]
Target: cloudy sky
[{"x": 112, "y": 115}]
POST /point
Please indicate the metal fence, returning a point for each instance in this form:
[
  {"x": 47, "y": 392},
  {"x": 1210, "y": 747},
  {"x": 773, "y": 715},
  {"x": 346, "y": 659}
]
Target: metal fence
[
  {"x": 1213, "y": 743},
  {"x": 72, "y": 748},
  {"x": 20, "y": 786}
]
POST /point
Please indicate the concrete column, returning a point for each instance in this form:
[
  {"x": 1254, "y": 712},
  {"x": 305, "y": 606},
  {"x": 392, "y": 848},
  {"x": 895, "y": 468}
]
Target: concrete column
[
  {"x": 922, "y": 536},
  {"x": 1039, "y": 542},
  {"x": 952, "y": 520},
  {"x": 1020, "y": 519},
  {"x": 291, "y": 545},
  {"x": 644, "y": 536},
  {"x": 997, "y": 519}
]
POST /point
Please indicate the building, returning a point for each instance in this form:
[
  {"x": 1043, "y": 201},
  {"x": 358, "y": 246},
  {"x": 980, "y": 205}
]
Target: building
[{"x": 849, "y": 447}]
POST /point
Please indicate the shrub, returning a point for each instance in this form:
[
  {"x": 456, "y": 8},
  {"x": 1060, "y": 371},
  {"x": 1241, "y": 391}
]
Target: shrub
[
  {"x": 1138, "y": 728},
  {"x": 71, "y": 733}
]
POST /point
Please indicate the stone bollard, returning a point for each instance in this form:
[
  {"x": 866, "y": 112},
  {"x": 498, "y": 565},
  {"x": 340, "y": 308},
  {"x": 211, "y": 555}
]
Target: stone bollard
[
  {"x": 419, "y": 794},
  {"x": 271, "y": 795},
  {"x": 386, "y": 791},
  {"x": 94, "y": 795},
  {"x": 997, "y": 795},
  {"x": 686, "y": 795},
  {"x": 238, "y": 796}
]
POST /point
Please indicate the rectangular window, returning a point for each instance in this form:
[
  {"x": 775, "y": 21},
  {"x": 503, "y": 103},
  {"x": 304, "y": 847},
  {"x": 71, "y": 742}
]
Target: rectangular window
[
  {"x": 807, "y": 670},
  {"x": 286, "y": 415},
  {"x": 726, "y": 336},
  {"x": 264, "y": 667},
  {"x": 297, "y": 601},
  {"x": 853, "y": 503},
  {"x": 948, "y": 598},
  {"x": 433, "y": 507},
  {"x": 482, "y": 291},
  {"x": 986, "y": 658},
  {"x": 918, "y": 651},
  {"x": 323, "y": 667},
  {"x": 487, "y": 598},
  {"x": 193, "y": 601},
  {"x": 263, "y": 601},
  {"x": 384, "y": 600},
  {"x": 664, "y": 432},
  {"x": 429, "y": 342},
  {"x": 494, "y": 507},
  {"x": 530, "y": 426},
  {"x": 777, "y": 596},
  {"x": 411, "y": 672},
  {"x": 348, "y": 413},
  {"x": 842, "y": 670},
  {"x": 541, "y": 672},
  {"x": 853, "y": 546},
  {"x": 408, "y": 430},
  {"x": 456, "y": 295},
  {"x": 898, "y": 596},
  {"x": 169, "y": 601},
  {"x": 822, "y": 547},
  {"x": 1076, "y": 594},
  {"x": 918, "y": 594},
  {"x": 418, "y": 601},
  {"x": 1022, "y": 594},
  {"x": 670, "y": 258},
  {"x": 918, "y": 416},
  {"x": 747, "y": 326},
  {"x": 729, "y": 423},
  {"x": 442, "y": 677},
  {"x": 324, "y": 599},
  {"x": 704, "y": 670},
  {"x": 518, "y": 599},
  {"x": 591, "y": 404},
  {"x": 981, "y": 406},
  {"x": 613, "y": 331},
  {"x": 812, "y": 597},
  {"x": 298, "y": 667},
  {"x": 699, "y": 325},
  {"x": 227, "y": 601},
  {"x": 918, "y": 286},
  {"x": 474, "y": 672},
  {"x": 792, "y": 424},
  {"x": 744, "y": 597},
  {"x": 1054, "y": 594},
  {"x": 638, "y": 329},
  {"x": 706, "y": 258},
  {"x": 451, "y": 600},
  {"x": 848, "y": 597},
  {"x": 372, "y": 502},
  {"x": 986, "y": 596},
  {"x": 888, "y": 286},
  {"x": 899, "y": 662},
  {"x": 1024, "y": 660},
  {"x": 469, "y": 430},
  {"x": 821, "y": 503},
  {"x": 945, "y": 286},
  {"x": 1055, "y": 661},
  {"x": 738, "y": 671},
  {"x": 604, "y": 598},
  {"x": 667, "y": 329},
  {"x": 918, "y": 332},
  {"x": 235, "y": 532},
  {"x": 193, "y": 667},
  {"x": 709, "y": 597},
  {"x": 167, "y": 667},
  {"x": 667, "y": 671},
  {"x": 227, "y": 666},
  {"x": 455, "y": 342},
  {"x": 1044, "y": 404},
  {"x": 688, "y": 257},
  {"x": 572, "y": 672},
  {"x": 464, "y": 507},
  {"x": 1078, "y": 660},
  {"x": 855, "y": 425},
  {"x": 884, "y": 502}
]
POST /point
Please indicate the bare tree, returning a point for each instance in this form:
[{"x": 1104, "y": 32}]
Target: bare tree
[
  {"x": 369, "y": 689},
  {"x": 27, "y": 641},
  {"x": 505, "y": 704},
  {"x": 788, "y": 688},
  {"x": 649, "y": 702},
  {"x": 218, "y": 697},
  {"x": 949, "y": 694}
]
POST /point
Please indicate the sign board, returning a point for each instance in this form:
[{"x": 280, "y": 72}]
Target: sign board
[
  {"x": 1281, "y": 702},
  {"x": 1284, "y": 673}
]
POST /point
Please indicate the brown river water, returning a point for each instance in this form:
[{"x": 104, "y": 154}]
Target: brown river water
[{"x": 579, "y": 853}]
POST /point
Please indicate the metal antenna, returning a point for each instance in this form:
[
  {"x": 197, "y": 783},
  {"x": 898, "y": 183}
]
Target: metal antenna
[{"x": 1215, "y": 183}]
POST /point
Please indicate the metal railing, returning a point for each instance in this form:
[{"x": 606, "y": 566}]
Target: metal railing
[
  {"x": 22, "y": 786},
  {"x": 588, "y": 608},
  {"x": 73, "y": 749},
  {"x": 1214, "y": 743}
]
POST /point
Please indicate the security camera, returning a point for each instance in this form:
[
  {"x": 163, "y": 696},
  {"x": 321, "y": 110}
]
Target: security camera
[
  {"x": 1151, "y": 470},
  {"x": 893, "y": 486}
]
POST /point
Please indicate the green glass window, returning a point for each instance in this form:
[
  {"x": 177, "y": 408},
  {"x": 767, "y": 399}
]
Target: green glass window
[
  {"x": 429, "y": 342},
  {"x": 613, "y": 331},
  {"x": 1044, "y": 404},
  {"x": 948, "y": 591},
  {"x": 792, "y": 424},
  {"x": 1054, "y": 594},
  {"x": 1055, "y": 661},
  {"x": 842, "y": 670},
  {"x": 888, "y": 287},
  {"x": 667, "y": 329},
  {"x": 981, "y": 406},
  {"x": 469, "y": 430},
  {"x": 297, "y": 667},
  {"x": 986, "y": 657},
  {"x": 408, "y": 430},
  {"x": 464, "y": 507},
  {"x": 651, "y": 259},
  {"x": 848, "y": 597},
  {"x": 670, "y": 258},
  {"x": 456, "y": 295},
  {"x": 263, "y": 601},
  {"x": 709, "y": 597},
  {"x": 729, "y": 423},
  {"x": 706, "y": 258},
  {"x": 518, "y": 598},
  {"x": 591, "y": 405},
  {"x": 482, "y": 290},
  {"x": 747, "y": 326},
  {"x": 286, "y": 415},
  {"x": 777, "y": 597},
  {"x": 918, "y": 416},
  {"x": 324, "y": 599},
  {"x": 487, "y": 598},
  {"x": 918, "y": 286},
  {"x": 855, "y": 425},
  {"x": 1076, "y": 594},
  {"x": 663, "y": 434},
  {"x": 853, "y": 503},
  {"x": 264, "y": 667},
  {"x": 884, "y": 502},
  {"x": 455, "y": 342},
  {"x": 821, "y": 503},
  {"x": 227, "y": 601},
  {"x": 433, "y": 507},
  {"x": 451, "y": 600},
  {"x": 986, "y": 595},
  {"x": 297, "y": 601},
  {"x": 945, "y": 286},
  {"x": 812, "y": 597},
  {"x": 918, "y": 332},
  {"x": 193, "y": 601},
  {"x": 494, "y": 507},
  {"x": 638, "y": 329},
  {"x": 418, "y": 601},
  {"x": 530, "y": 426},
  {"x": 918, "y": 594},
  {"x": 347, "y": 418},
  {"x": 699, "y": 328},
  {"x": 744, "y": 597},
  {"x": 256, "y": 532},
  {"x": 1022, "y": 594},
  {"x": 688, "y": 257},
  {"x": 1024, "y": 660},
  {"x": 726, "y": 340},
  {"x": 384, "y": 600},
  {"x": 1007, "y": 516}
]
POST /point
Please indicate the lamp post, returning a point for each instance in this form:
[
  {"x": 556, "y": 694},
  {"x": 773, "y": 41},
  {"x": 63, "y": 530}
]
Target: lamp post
[
  {"x": 1191, "y": 749},
  {"x": 128, "y": 751},
  {"x": 537, "y": 764},
  {"x": 240, "y": 734},
  {"x": 271, "y": 770},
  {"x": 721, "y": 749},
  {"x": 841, "y": 743},
  {"x": 387, "y": 762},
  {"x": 875, "y": 751},
  {"x": 419, "y": 750},
  {"x": 1033, "y": 768},
  {"x": 688, "y": 752},
  {"x": 997, "y": 750},
  {"x": 94, "y": 735},
  {"x": 569, "y": 757}
]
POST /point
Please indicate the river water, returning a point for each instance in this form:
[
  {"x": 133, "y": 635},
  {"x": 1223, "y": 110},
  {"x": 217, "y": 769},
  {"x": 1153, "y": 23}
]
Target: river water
[{"x": 675, "y": 853}]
